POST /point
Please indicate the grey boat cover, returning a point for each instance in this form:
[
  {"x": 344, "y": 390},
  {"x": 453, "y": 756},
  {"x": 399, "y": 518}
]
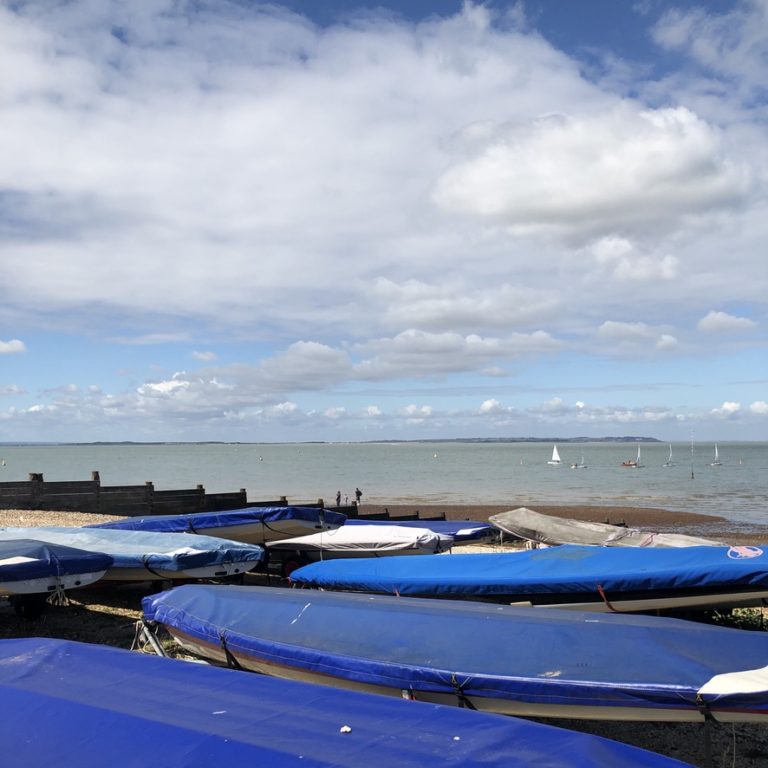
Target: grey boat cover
[{"x": 524, "y": 523}]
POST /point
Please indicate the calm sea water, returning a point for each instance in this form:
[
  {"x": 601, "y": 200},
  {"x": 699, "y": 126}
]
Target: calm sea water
[{"x": 422, "y": 473}]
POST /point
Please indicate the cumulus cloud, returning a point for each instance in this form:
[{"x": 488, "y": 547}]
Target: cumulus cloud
[
  {"x": 624, "y": 168},
  {"x": 419, "y": 353},
  {"x": 759, "y": 407},
  {"x": 634, "y": 338},
  {"x": 715, "y": 322},
  {"x": 621, "y": 257},
  {"x": 727, "y": 410},
  {"x": 436, "y": 307},
  {"x": 12, "y": 347}
]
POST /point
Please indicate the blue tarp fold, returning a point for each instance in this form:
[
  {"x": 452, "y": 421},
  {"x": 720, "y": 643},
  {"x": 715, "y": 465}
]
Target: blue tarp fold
[{"x": 89, "y": 706}]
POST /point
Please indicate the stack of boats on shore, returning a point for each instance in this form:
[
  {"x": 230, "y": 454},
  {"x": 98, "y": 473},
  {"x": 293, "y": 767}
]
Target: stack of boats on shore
[{"x": 477, "y": 631}]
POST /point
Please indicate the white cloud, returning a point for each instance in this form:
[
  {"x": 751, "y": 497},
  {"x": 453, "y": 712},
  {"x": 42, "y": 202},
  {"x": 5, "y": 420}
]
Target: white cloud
[
  {"x": 666, "y": 341},
  {"x": 372, "y": 411},
  {"x": 727, "y": 410},
  {"x": 490, "y": 406},
  {"x": 759, "y": 407},
  {"x": 716, "y": 322},
  {"x": 437, "y": 307},
  {"x": 418, "y": 353},
  {"x": 205, "y": 357},
  {"x": 12, "y": 347},
  {"x": 623, "y": 168},
  {"x": 730, "y": 43}
]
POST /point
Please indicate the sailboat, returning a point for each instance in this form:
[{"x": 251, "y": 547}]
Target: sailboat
[
  {"x": 555, "y": 460},
  {"x": 579, "y": 464},
  {"x": 669, "y": 462},
  {"x": 633, "y": 463},
  {"x": 716, "y": 461}
]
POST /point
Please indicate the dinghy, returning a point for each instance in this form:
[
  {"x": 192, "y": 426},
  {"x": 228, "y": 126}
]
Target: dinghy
[
  {"x": 144, "y": 556},
  {"x": 254, "y": 525},
  {"x": 588, "y": 578},
  {"x": 461, "y": 531},
  {"x": 365, "y": 541},
  {"x": 96, "y": 706},
  {"x": 29, "y": 567},
  {"x": 524, "y": 523},
  {"x": 496, "y": 658}
]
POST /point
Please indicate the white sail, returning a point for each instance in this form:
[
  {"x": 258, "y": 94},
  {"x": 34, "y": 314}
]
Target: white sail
[
  {"x": 716, "y": 462},
  {"x": 669, "y": 462},
  {"x": 555, "y": 456}
]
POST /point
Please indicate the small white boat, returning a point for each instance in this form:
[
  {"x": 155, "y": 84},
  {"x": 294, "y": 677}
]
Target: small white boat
[
  {"x": 669, "y": 462},
  {"x": 365, "y": 541},
  {"x": 555, "y": 460},
  {"x": 579, "y": 464},
  {"x": 716, "y": 460}
]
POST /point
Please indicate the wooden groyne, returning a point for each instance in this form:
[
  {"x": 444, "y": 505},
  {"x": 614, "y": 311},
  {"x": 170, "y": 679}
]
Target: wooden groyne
[
  {"x": 142, "y": 500},
  {"x": 127, "y": 500}
]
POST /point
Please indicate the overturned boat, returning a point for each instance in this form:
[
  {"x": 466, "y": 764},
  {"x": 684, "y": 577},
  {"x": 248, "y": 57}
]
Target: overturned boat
[
  {"x": 584, "y": 577},
  {"x": 254, "y": 525},
  {"x": 125, "y": 707},
  {"x": 503, "y": 659},
  {"x": 524, "y": 523},
  {"x": 143, "y": 556}
]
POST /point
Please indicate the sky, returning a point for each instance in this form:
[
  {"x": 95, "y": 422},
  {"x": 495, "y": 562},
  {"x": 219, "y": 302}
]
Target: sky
[{"x": 345, "y": 221}]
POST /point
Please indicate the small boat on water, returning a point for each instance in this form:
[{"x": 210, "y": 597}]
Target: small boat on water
[
  {"x": 579, "y": 464},
  {"x": 254, "y": 525},
  {"x": 133, "y": 710},
  {"x": 148, "y": 556},
  {"x": 669, "y": 462},
  {"x": 524, "y": 523},
  {"x": 633, "y": 463},
  {"x": 504, "y": 659},
  {"x": 461, "y": 531},
  {"x": 584, "y": 577},
  {"x": 555, "y": 460},
  {"x": 716, "y": 459}
]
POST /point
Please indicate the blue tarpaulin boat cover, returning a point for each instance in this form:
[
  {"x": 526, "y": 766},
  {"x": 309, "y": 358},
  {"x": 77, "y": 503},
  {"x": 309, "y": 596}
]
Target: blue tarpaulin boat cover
[
  {"x": 462, "y": 531},
  {"x": 89, "y": 706},
  {"x": 572, "y": 570},
  {"x": 24, "y": 558},
  {"x": 200, "y": 521},
  {"x": 142, "y": 549},
  {"x": 563, "y": 658}
]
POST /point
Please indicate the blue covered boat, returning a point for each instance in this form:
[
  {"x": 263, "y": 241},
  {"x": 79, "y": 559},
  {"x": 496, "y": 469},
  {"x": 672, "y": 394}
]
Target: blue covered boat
[
  {"x": 254, "y": 525},
  {"x": 142, "y": 556},
  {"x": 132, "y": 710},
  {"x": 497, "y": 658},
  {"x": 590, "y": 578},
  {"x": 461, "y": 531},
  {"x": 29, "y": 566}
]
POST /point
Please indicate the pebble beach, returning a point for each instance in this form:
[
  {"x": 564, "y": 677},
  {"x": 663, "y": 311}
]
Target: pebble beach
[{"x": 109, "y": 616}]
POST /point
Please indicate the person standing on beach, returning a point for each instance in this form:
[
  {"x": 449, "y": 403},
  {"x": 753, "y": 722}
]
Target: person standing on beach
[
  {"x": 358, "y": 494},
  {"x": 338, "y": 498}
]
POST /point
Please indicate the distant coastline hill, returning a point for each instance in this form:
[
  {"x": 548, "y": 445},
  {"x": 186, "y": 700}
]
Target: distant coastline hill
[{"x": 624, "y": 439}]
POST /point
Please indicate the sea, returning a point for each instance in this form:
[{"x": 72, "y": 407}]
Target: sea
[{"x": 498, "y": 473}]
